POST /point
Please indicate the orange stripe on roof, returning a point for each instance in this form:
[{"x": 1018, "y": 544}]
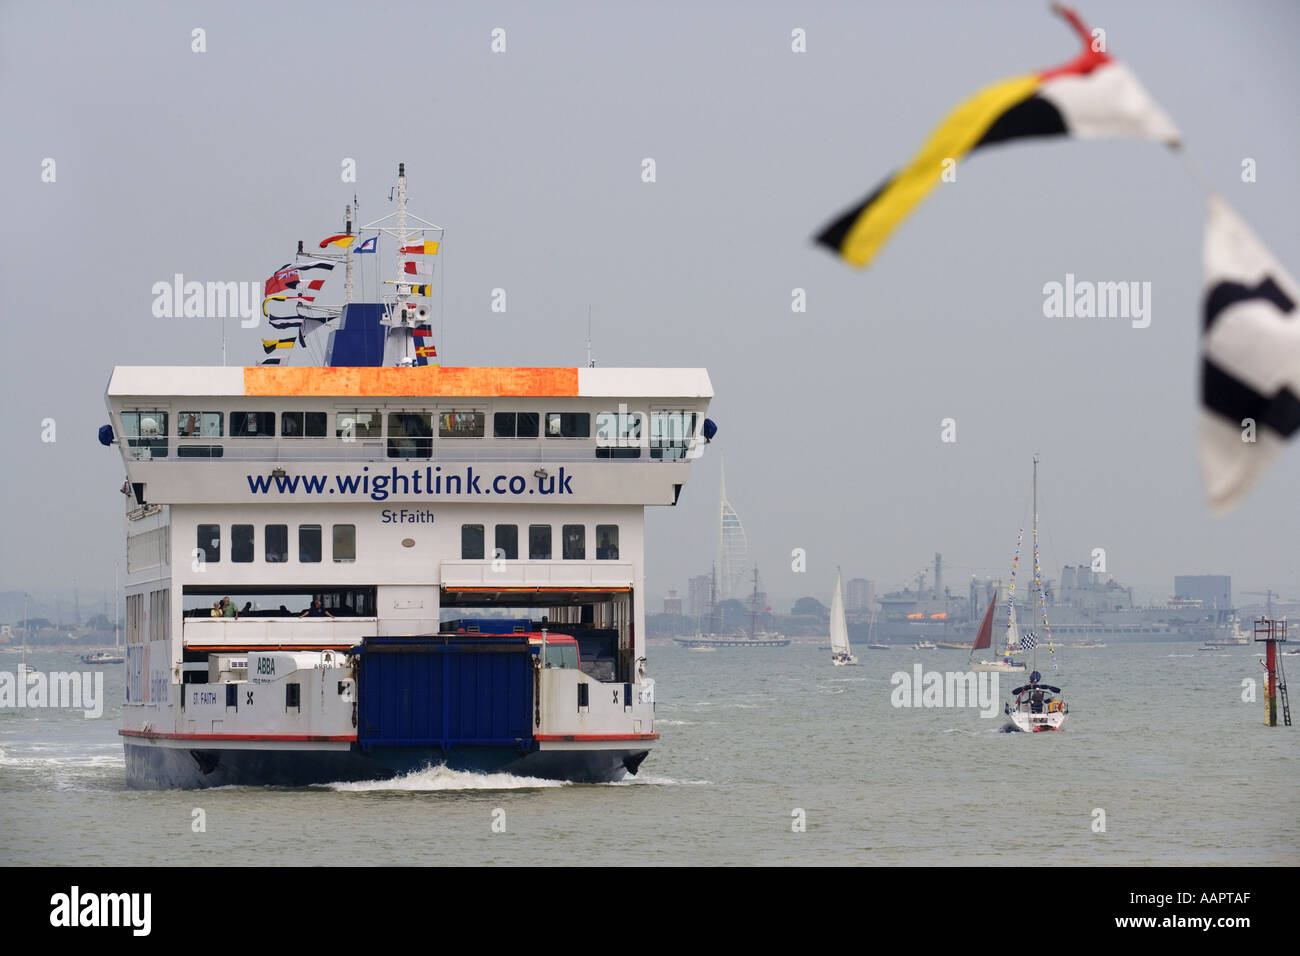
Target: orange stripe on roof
[{"x": 427, "y": 381}]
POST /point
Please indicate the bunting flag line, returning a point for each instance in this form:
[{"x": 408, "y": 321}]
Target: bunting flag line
[
  {"x": 407, "y": 288},
  {"x": 1092, "y": 96},
  {"x": 422, "y": 333},
  {"x": 415, "y": 269},
  {"x": 270, "y": 345},
  {"x": 271, "y": 361},
  {"x": 1250, "y": 358},
  {"x": 343, "y": 240},
  {"x": 426, "y": 351},
  {"x": 370, "y": 245},
  {"x": 427, "y": 248}
]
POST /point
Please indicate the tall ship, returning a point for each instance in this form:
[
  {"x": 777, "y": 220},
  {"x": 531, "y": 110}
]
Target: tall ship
[{"x": 359, "y": 568}]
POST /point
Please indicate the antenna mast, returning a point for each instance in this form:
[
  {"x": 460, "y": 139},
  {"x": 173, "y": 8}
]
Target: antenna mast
[{"x": 347, "y": 256}]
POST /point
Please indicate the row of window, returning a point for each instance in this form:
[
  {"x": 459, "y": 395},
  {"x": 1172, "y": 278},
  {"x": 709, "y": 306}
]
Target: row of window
[
  {"x": 573, "y": 542},
  {"x": 410, "y": 434},
  {"x": 275, "y": 543},
  {"x": 473, "y": 543},
  {"x": 151, "y": 623}
]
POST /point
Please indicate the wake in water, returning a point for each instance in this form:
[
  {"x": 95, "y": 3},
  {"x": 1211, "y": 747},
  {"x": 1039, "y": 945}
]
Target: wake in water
[
  {"x": 438, "y": 777},
  {"x": 643, "y": 781}
]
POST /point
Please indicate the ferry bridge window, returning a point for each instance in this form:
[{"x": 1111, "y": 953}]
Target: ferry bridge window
[
  {"x": 471, "y": 542},
  {"x": 308, "y": 543},
  {"x": 358, "y": 423},
  {"x": 671, "y": 434},
  {"x": 241, "y": 543},
  {"x": 410, "y": 434},
  {"x": 345, "y": 543},
  {"x": 302, "y": 424},
  {"x": 618, "y": 435},
  {"x": 539, "y": 542},
  {"x": 199, "y": 424},
  {"x": 568, "y": 425},
  {"x": 276, "y": 542},
  {"x": 461, "y": 424},
  {"x": 515, "y": 424},
  {"x": 507, "y": 542},
  {"x": 574, "y": 537},
  {"x": 199, "y": 451},
  {"x": 252, "y": 424},
  {"x": 146, "y": 431},
  {"x": 209, "y": 542},
  {"x": 606, "y": 542}
]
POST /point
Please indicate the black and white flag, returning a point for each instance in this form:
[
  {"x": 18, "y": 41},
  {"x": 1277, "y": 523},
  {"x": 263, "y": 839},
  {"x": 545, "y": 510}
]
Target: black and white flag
[{"x": 1250, "y": 358}]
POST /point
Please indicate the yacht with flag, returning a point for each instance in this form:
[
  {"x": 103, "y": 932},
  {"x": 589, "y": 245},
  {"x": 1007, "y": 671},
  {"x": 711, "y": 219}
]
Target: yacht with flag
[
  {"x": 366, "y": 565},
  {"x": 1036, "y": 706}
]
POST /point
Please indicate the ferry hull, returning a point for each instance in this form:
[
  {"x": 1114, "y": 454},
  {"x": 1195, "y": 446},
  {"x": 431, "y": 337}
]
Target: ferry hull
[{"x": 176, "y": 766}]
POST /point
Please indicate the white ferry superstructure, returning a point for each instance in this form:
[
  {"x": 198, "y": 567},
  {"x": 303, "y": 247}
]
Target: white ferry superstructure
[{"x": 299, "y": 538}]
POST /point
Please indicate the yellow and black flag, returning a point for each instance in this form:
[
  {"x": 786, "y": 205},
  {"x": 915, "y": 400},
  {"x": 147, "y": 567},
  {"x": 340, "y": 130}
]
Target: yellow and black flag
[
  {"x": 270, "y": 345},
  {"x": 1092, "y": 96}
]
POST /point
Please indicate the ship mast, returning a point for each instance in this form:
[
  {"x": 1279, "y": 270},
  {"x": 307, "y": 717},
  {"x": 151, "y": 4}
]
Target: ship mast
[
  {"x": 347, "y": 257},
  {"x": 1038, "y": 578}
]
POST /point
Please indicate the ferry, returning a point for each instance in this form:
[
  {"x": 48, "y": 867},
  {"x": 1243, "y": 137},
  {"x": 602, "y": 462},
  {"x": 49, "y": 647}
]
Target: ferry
[{"x": 362, "y": 568}]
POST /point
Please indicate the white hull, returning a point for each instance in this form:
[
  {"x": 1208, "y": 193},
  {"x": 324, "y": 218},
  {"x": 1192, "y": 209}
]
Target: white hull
[
  {"x": 996, "y": 667},
  {"x": 850, "y": 661},
  {"x": 1034, "y": 723}
]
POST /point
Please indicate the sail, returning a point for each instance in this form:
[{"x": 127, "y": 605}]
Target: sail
[
  {"x": 1013, "y": 632},
  {"x": 984, "y": 638},
  {"x": 839, "y": 629}
]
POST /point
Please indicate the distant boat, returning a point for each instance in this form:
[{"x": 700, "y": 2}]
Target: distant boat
[
  {"x": 983, "y": 640},
  {"x": 102, "y": 657},
  {"x": 755, "y": 637},
  {"x": 841, "y": 653},
  {"x": 952, "y": 646},
  {"x": 925, "y": 646},
  {"x": 871, "y": 629}
]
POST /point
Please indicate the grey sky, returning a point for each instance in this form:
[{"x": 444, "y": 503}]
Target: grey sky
[{"x": 214, "y": 164}]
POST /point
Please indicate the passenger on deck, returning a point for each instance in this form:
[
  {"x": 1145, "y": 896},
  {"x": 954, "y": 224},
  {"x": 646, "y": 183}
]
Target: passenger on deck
[
  {"x": 247, "y": 608},
  {"x": 316, "y": 610},
  {"x": 228, "y": 608},
  {"x": 216, "y": 608}
]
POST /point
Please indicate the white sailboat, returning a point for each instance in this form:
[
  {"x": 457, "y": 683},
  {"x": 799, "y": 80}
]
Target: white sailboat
[
  {"x": 1036, "y": 706},
  {"x": 983, "y": 640},
  {"x": 841, "y": 653}
]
